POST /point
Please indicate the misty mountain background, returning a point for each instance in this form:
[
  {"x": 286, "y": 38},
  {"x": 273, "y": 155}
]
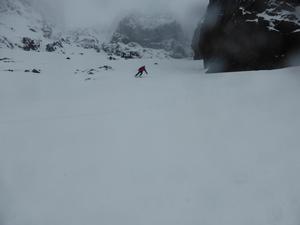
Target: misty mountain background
[
  {"x": 105, "y": 14},
  {"x": 85, "y": 139}
]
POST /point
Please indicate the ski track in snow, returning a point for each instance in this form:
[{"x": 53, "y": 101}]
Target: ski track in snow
[{"x": 177, "y": 147}]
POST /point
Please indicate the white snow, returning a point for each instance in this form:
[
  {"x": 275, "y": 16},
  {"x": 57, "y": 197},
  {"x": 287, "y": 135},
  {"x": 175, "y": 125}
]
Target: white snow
[
  {"x": 177, "y": 147},
  {"x": 244, "y": 11},
  {"x": 17, "y": 19},
  {"x": 283, "y": 15},
  {"x": 254, "y": 20}
]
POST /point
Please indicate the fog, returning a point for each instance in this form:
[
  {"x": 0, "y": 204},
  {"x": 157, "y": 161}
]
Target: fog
[{"x": 105, "y": 13}]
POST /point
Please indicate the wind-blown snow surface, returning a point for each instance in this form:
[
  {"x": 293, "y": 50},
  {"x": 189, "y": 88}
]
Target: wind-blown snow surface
[{"x": 177, "y": 147}]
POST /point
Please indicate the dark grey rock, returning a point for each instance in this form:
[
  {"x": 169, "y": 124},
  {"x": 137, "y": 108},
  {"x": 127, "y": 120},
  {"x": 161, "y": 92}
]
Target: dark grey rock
[
  {"x": 105, "y": 67},
  {"x": 241, "y": 35},
  {"x": 36, "y": 71},
  {"x": 117, "y": 50},
  {"x": 52, "y": 47},
  {"x": 32, "y": 30},
  {"x": 112, "y": 58},
  {"x": 5, "y": 59},
  {"x": 30, "y": 44}
]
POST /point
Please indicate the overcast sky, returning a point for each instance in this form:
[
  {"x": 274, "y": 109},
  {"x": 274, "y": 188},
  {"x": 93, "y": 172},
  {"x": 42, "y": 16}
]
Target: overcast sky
[
  {"x": 87, "y": 11},
  {"x": 74, "y": 13}
]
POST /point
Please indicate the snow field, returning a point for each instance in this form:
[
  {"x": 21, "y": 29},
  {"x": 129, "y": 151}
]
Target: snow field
[{"x": 177, "y": 147}]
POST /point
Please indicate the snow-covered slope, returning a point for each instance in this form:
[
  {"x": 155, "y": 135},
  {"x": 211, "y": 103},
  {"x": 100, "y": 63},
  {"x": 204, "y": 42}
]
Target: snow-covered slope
[
  {"x": 18, "y": 20},
  {"x": 22, "y": 26},
  {"x": 84, "y": 142},
  {"x": 177, "y": 147}
]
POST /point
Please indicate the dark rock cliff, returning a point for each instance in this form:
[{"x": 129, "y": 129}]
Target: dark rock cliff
[
  {"x": 239, "y": 35},
  {"x": 154, "y": 31}
]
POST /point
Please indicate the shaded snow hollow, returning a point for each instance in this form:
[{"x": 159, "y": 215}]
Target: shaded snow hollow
[{"x": 177, "y": 147}]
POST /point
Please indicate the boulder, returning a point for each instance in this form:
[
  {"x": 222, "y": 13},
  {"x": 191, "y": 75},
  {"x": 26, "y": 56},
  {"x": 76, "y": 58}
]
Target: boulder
[
  {"x": 239, "y": 35},
  {"x": 36, "y": 71}
]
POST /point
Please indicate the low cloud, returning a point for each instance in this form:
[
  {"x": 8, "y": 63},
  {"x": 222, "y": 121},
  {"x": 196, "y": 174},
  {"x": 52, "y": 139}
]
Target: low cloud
[{"x": 105, "y": 13}]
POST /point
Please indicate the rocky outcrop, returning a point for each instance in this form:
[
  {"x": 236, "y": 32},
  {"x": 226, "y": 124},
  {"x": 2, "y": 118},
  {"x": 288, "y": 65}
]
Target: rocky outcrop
[
  {"x": 52, "y": 47},
  {"x": 30, "y": 44},
  {"x": 129, "y": 51},
  {"x": 152, "y": 31},
  {"x": 250, "y": 35},
  {"x": 85, "y": 38}
]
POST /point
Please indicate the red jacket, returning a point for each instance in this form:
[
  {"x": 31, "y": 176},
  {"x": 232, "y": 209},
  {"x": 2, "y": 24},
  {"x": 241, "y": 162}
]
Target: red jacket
[{"x": 143, "y": 69}]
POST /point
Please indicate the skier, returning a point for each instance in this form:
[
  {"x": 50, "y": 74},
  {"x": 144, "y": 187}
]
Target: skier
[{"x": 141, "y": 71}]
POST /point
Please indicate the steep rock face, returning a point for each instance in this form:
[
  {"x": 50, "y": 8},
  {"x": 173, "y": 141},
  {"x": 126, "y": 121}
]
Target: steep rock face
[
  {"x": 152, "y": 31},
  {"x": 195, "y": 43},
  {"x": 85, "y": 38},
  {"x": 250, "y": 35}
]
